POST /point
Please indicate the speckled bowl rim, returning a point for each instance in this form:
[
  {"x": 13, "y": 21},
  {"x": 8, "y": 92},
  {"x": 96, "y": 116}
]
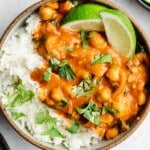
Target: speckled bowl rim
[{"x": 106, "y": 144}]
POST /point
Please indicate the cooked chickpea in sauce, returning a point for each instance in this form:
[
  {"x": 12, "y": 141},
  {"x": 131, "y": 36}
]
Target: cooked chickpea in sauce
[{"x": 91, "y": 83}]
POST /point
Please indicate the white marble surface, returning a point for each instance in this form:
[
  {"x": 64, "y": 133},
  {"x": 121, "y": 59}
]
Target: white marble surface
[{"x": 9, "y": 9}]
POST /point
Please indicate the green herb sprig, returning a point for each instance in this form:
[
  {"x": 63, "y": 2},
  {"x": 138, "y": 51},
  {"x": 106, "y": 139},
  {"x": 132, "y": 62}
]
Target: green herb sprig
[
  {"x": 85, "y": 87},
  {"x": 91, "y": 112},
  {"x": 74, "y": 127},
  {"x": 50, "y": 122},
  {"x": 107, "y": 109},
  {"x": 18, "y": 115},
  {"x": 64, "y": 70},
  {"x": 84, "y": 39},
  {"x": 20, "y": 96},
  {"x": 102, "y": 58},
  {"x": 47, "y": 74}
]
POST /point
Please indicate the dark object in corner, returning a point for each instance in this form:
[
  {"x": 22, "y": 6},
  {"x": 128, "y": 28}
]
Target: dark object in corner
[{"x": 3, "y": 143}]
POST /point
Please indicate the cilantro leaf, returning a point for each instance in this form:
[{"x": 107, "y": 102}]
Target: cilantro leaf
[
  {"x": 17, "y": 116},
  {"x": 91, "y": 112},
  {"x": 67, "y": 48},
  {"x": 42, "y": 116},
  {"x": 50, "y": 123},
  {"x": 54, "y": 62},
  {"x": 65, "y": 71},
  {"x": 102, "y": 58},
  {"x": 107, "y": 109},
  {"x": 53, "y": 132},
  {"x": 63, "y": 102},
  {"x": 84, "y": 39},
  {"x": 74, "y": 127},
  {"x": 47, "y": 74},
  {"x": 20, "y": 96},
  {"x": 92, "y": 34},
  {"x": 85, "y": 87}
]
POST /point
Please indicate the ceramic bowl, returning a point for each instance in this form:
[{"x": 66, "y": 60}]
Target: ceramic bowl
[{"x": 105, "y": 144}]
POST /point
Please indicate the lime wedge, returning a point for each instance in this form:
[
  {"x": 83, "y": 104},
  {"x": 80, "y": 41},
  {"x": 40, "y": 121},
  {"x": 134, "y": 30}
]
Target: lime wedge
[
  {"x": 119, "y": 31},
  {"x": 84, "y": 17},
  {"x": 147, "y": 1}
]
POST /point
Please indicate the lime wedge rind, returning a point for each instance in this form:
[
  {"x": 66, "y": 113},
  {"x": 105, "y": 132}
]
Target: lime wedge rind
[{"x": 79, "y": 16}]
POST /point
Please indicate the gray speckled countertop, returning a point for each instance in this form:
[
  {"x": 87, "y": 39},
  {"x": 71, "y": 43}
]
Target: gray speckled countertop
[{"x": 9, "y": 9}]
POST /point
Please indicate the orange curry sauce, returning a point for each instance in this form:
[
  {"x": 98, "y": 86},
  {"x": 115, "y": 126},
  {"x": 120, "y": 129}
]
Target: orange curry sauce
[{"x": 119, "y": 84}]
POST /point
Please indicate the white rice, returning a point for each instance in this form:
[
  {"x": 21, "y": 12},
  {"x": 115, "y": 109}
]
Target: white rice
[{"x": 17, "y": 60}]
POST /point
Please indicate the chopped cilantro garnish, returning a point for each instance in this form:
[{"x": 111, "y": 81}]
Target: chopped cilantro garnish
[
  {"x": 91, "y": 34},
  {"x": 18, "y": 115},
  {"x": 67, "y": 48},
  {"x": 84, "y": 39},
  {"x": 47, "y": 74},
  {"x": 85, "y": 87},
  {"x": 63, "y": 102},
  {"x": 91, "y": 112},
  {"x": 43, "y": 117},
  {"x": 102, "y": 58},
  {"x": 107, "y": 109},
  {"x": 54, "y": 62},
  {"x": 53, "y": 132},
  {"x": 20, "y": 96},
  {"x": 64, "y": 69},
  {"x": 74, "y": 127}
]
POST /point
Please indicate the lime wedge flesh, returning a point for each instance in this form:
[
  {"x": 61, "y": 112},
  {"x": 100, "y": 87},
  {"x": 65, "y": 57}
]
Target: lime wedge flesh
[
  {"x": 84, "y": 17},
  {"x": 119, "y": 31}
]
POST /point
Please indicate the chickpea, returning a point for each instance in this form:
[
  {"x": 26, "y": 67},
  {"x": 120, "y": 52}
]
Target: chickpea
[
  {"x": 42, "y": 94},
  {"x": 97, "y": 41},
  {"x": 105, "y": 94},
  {"x": 111, "y": 132},
  {"x": 113, "y": 73},
  {"x": 46, "y": 13},
  {"x": 141, "y": 98},
  {"x": 53, "y": 5},
  {"x": 107, "y": 118},
  {"x": 65, "y": 6},
  {"x": 56, "y": 94}
]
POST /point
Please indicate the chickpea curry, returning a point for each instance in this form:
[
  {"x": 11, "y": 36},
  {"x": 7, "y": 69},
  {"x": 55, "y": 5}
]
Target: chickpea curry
[{"x": 83, "y": 78}]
